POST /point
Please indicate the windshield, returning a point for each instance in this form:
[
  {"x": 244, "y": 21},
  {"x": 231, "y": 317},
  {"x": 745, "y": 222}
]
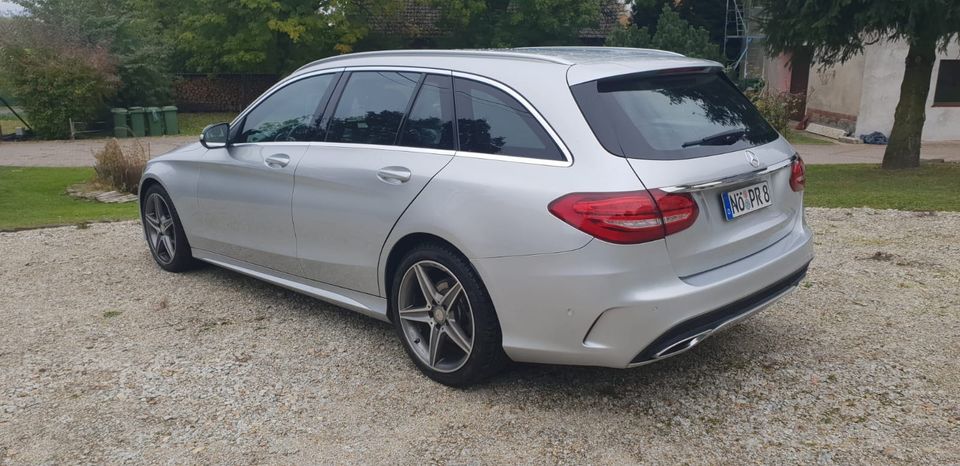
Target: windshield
[{"x": 674, "y": 116}]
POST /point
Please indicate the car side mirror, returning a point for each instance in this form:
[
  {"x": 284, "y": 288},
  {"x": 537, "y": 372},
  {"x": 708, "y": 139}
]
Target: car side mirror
[{"x": 215, "y": 136}]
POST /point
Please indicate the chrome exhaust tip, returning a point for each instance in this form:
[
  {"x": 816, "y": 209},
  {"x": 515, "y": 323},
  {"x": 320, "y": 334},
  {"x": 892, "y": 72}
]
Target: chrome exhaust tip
[{"x": 683, "y": 345}]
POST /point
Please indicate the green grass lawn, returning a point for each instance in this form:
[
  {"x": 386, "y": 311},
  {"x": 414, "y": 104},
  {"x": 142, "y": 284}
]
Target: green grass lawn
[
  {"x": 8, "y": 124},
  {"x": 933, "y": 186},
  {"x": 36, "y": 197},
  {"x": 801, "y": 137},
  {"x": 191, "y": 124}
]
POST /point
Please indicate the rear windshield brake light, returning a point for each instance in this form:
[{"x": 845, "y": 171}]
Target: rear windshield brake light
[{"x": 687, "y": 70}]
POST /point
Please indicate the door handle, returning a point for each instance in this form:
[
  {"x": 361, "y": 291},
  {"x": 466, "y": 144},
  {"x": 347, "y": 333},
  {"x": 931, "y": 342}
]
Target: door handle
[
  {"x": 394, "y": 175},
  {"x": 277, "y": 160}
]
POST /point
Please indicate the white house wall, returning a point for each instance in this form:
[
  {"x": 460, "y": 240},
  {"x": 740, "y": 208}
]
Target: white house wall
[
  {"x": 776, "y": 73},
  {"x": 883, "y": 74},
  {"x": 833, "y": 94}
]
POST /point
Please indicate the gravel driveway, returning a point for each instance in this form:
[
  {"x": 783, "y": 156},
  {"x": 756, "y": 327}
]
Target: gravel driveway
[{"x": 105, "y": 358}]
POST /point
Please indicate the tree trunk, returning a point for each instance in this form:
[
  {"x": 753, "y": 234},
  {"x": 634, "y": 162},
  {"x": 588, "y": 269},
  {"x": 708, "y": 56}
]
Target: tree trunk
[{"x": 903, "y": 151}]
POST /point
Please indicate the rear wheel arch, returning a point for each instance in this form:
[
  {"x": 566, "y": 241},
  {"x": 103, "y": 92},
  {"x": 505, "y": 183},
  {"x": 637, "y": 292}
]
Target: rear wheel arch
[
  {"x": 468, "y": 320},
  {"x": 404, "y": 246}
]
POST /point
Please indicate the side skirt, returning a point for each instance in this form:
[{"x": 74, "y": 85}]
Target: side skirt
[{"x": 373, "y": 306}]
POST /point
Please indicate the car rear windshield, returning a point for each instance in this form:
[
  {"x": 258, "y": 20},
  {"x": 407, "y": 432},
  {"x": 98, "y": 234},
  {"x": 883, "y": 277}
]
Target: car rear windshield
[{"x": 671, "y": 116}]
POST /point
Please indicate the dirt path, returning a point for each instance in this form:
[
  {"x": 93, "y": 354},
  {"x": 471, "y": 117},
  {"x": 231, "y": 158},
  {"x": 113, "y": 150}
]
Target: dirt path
[
  {"x": 75, "y": 153},
  {"x": 868, "y": 153}
]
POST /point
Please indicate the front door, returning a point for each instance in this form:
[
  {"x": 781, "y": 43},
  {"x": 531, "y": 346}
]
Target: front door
[{"x": 245, "y": 190}]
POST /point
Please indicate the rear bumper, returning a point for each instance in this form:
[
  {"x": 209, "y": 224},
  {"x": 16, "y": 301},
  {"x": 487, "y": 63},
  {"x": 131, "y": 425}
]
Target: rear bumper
[
  {"x": 691, "y": 332},
  {"x": 623, "y": 306}
]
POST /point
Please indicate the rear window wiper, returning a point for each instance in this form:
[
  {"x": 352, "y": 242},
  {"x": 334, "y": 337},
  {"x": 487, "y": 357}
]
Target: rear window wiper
[{"x": 724, "y": 138}]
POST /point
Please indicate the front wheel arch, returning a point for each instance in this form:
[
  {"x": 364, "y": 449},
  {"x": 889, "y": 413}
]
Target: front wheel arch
[
  {"x": 182, "y": 259},
  {"x": 145, "y": 186}
]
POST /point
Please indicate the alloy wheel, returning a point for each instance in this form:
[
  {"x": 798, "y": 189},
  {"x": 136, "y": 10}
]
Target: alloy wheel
[
  {"x": 158, "y": 221},
  {"x": 436, "y": 316}
]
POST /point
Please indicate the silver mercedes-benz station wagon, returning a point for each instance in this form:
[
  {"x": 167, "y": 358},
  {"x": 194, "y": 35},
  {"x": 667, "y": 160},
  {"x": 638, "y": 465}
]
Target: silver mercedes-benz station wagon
[{"x": 590, "y": 206}]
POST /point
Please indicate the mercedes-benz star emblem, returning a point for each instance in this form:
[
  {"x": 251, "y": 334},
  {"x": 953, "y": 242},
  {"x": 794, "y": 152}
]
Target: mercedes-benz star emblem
[{"x": 752, "y": 159}]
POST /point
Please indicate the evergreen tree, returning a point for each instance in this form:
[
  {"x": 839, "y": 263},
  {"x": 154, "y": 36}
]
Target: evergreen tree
[{"x": 672, "y": 33}]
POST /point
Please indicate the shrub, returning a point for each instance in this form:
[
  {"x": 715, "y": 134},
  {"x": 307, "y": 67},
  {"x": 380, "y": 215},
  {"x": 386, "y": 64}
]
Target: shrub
[
  {"x": 775, "y": 107},
  {"x": 54, "y": 78},
  {"x": 53, "y": 89},
  {"x": 128, "y": 30},
  {"x": 118, "y": 169}
]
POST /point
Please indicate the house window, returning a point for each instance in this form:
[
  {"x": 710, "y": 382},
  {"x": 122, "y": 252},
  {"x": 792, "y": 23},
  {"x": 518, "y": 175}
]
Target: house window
[{"x": 947, "y": 92}]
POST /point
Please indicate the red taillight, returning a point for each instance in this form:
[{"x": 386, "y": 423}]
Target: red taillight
[
  {"x": 627, "y": 217},
  {"x": 798, "y": 175}
]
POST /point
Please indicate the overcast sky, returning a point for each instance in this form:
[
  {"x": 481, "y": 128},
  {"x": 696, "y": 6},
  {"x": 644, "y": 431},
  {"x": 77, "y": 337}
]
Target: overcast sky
[{"x": 7, "y": 8}]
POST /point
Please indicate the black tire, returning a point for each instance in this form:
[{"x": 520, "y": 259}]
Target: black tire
[
  {"x": 487, "y": 357},
  {"x": 182, "y": 259}
]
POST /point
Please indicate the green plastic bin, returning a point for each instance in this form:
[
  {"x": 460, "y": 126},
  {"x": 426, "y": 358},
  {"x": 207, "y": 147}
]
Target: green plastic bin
[
  {"x": 120, "y": 129},
  {"x": 137, "y": 122},
  {"x": 154, "y": 121},
  {"x": 171, "y": 126}
]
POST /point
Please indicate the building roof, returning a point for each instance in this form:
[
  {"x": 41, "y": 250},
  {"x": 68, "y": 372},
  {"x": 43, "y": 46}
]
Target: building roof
[
  {"x": 413, "y": 18},
  {"x": 612, "y": 14}
]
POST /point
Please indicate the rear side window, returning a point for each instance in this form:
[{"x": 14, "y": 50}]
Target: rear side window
[
  {"x": 669, "y": 117},
  {"x": 430, "y": 122},
  {"x": 288, "y": 115},
  {"x": 491, "y": 122},
  {"x": 372, "y": 106}
]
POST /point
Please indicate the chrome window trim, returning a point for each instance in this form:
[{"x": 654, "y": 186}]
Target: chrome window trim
[
  {"x": 352, "y": 145},
  {"x": 270, "y": 143},
  {"x": 515, "y": 159},
  {"x": 568, "y": 157},
  {"x": 395, "y": 148},
  {"x": 732, "y": 180}
]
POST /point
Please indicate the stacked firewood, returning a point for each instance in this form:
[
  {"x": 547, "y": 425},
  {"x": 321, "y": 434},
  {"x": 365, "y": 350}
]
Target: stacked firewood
[{"x": 219, "y": 93}]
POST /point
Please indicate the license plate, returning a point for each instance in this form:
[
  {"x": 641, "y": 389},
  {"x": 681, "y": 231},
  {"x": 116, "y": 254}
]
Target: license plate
[{"x": 745, "y": 200}]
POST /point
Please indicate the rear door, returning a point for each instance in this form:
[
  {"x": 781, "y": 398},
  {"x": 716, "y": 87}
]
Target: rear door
[
  {"x": 694, "y": 131},
  {"x": 388, "y": 134}
]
